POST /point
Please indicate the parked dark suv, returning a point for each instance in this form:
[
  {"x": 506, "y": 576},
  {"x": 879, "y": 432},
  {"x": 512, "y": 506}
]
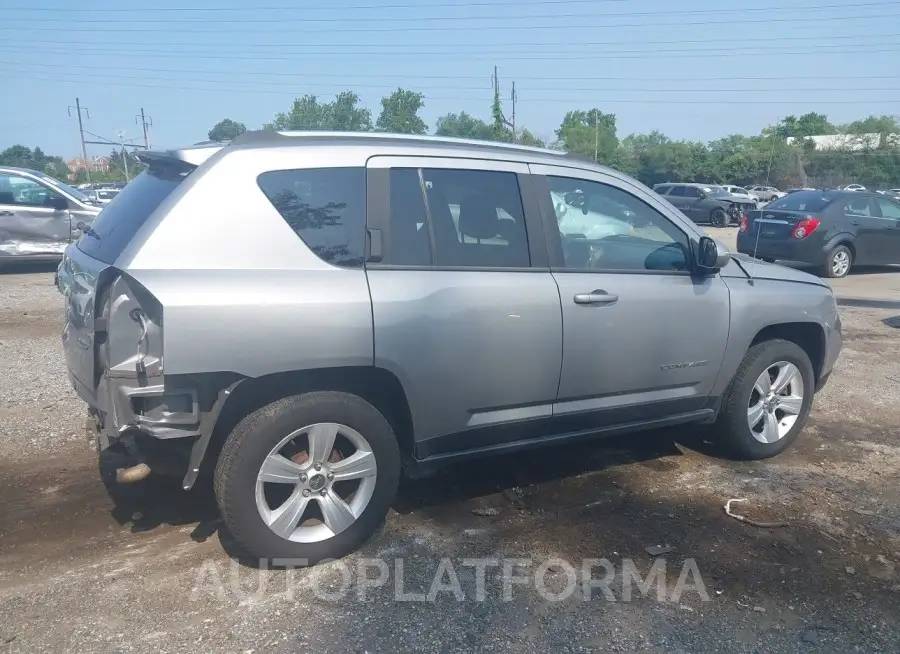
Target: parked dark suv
[
  {"x": 706, "y": 203},
  {"x": 831, "y": 229}
]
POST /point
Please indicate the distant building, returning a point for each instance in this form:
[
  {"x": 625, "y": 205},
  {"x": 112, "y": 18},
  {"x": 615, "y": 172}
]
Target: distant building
[
  {"x": 97, "y": 164},
  {"x": 849, "y": 141}
]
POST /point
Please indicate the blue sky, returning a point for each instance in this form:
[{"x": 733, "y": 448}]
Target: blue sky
[{"x": 691, "y": 68}]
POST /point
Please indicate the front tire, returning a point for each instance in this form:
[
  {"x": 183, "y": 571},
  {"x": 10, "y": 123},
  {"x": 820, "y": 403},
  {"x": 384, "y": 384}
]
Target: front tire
[
  {"x": 768, "y": 401},
  {"x": 838, "y": 262},
  {"x": 718, "y": 217},
  {"x": 308, "y": 477}
]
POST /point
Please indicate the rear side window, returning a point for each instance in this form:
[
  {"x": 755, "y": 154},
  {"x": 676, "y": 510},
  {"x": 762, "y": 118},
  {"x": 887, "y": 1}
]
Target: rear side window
[
  {"x": 801, "y": 201},
  {"x": 326, "y": 207},
  {"x": 119, "y": 221}
]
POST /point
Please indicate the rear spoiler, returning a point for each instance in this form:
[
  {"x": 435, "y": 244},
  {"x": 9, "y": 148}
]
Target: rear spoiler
[{"x": 189, "y": 157}]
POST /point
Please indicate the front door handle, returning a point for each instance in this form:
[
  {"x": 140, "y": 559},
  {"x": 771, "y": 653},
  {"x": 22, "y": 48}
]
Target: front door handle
[
  {"x": 854, "y": 222},
  {"x": 596, "y": 297}
]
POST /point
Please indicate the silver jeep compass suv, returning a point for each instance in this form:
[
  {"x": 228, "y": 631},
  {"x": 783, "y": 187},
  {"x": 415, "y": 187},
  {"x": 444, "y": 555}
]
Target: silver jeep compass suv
[{"x": 306, "y": 316}]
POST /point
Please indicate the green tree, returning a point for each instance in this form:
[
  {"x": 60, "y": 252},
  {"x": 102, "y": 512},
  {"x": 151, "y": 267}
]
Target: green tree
[
  {"x": 306, "y": 113},
  {"x": 400, "y": 113},
  {"x": 226, "y": 130},
  {"x": 809, "y": 124},
  {"x": 463, "y": 125},
  {"x": 527, "y": 138},
  {"x": 500, "y": 127},
  {"x": 587, "y": 132},
  {"x": 345, "y": 114}
]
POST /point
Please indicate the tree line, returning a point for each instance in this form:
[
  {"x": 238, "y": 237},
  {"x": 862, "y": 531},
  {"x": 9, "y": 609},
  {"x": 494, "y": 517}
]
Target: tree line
[
  {"x": 781, "y": 155},
  {"x": 771, "y": 157}
]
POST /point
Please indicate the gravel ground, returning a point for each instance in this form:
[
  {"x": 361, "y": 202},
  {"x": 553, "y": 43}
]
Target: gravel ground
[{"x": 78, "y": 573}]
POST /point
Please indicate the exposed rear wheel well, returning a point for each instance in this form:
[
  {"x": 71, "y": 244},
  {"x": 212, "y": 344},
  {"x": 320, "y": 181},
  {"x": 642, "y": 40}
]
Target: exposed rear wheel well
[
  {"x": 377, "y": 386},
  {"x": 807, "y": 335}
]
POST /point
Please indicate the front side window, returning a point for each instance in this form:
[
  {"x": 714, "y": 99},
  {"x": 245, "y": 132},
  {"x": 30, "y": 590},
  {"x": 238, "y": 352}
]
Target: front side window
[
  {"x": 603, "y": 227},
  {"x": 889, "y": 209},
  {"x": 326, "y": 207},
  {"x": 24, "y": 192},
  {"x": 678, "y": 191}
]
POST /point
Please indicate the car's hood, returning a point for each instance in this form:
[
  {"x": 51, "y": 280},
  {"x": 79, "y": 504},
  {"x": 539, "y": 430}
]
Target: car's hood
[
  {"x": 763, "y": 270},
  {"x": 734, "y": 198}
]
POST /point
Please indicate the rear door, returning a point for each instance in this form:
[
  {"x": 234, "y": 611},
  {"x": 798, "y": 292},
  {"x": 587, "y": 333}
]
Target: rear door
[
  {"x": 466, "y": 312},
  {"x": 642, "y": 337},
  {"x": 677, "y": 198},
  {"x": 29, "y": 223},
  {"x": 860, "y": 215}
]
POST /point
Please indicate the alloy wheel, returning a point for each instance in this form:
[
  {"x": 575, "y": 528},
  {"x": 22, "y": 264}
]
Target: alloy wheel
[
  {"x": 316, "y": 482},
  {"x": 776, "y": 402}
]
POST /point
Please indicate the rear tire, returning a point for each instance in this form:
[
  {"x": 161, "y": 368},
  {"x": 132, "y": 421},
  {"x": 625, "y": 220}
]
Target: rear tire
[
  {"x": 838, "y": 262},
  {"x": 743, "y": 399},
  {"x": 718, "y": 218},
  {"x": 262, "y": 435}
]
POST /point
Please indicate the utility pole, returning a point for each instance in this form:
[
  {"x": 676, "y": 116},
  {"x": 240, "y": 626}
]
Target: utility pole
[
  {"x": 513, "y": 96},
  {"x": 78, "y": 109},
  {"x": 597, "y": 136},
  {"x": 144, "y": 122},
  {"x": 121, "y": 135}
]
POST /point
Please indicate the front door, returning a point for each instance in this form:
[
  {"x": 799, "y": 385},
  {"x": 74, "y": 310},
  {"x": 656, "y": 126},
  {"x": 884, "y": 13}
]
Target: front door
[
  {"x": 29, "y": 222},
  {"x": 642, "y": 337},
  {"x": 889, "y": 242},
  {"x": 466, "y": 312}
]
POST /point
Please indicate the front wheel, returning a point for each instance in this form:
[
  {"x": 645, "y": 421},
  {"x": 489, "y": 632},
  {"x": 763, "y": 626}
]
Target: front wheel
[
  {"x": 308, "y": 477},
  {"x": 718, "y": 218},
  {"x": 768, "y": 401},
  {"x": 838, "y": 263}
]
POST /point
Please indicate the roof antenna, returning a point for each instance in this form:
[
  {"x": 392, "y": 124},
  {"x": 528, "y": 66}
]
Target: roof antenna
[{"x": 755, "y": 248}]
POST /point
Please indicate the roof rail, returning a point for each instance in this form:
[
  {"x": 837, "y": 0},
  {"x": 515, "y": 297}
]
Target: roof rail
[{"x": 264, "y": 136}]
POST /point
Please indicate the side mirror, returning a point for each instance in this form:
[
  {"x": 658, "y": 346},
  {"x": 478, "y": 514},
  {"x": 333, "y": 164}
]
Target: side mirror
[
  {"x": 58, "y": 203},
  {"x": 712, "y": 256}
]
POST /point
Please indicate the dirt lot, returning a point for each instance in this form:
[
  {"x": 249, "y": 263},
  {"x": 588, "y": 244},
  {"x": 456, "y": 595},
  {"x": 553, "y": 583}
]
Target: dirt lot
[{"x": 80, "y": 574}]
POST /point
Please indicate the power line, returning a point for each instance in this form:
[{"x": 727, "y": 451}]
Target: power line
[
  {"x": 530, "y": 45},
  {"x": 414, "y": 5},
  {"x": 418, "y": 81},
  {"x": 468, "y": 18},
  {"x": 684, "y": 53},
  {"x": 741, "y": 21},
  {"x": 63, "y": 78}
]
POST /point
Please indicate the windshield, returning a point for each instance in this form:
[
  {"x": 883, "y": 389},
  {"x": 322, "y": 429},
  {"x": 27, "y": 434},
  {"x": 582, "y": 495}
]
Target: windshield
[
  {"x": 71, "y": 190},
  {"x": 119, "y": 221},
  {"x": 801, "y": 201}
]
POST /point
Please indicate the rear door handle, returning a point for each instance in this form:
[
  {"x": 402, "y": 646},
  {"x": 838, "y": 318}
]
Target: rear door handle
[
  {"x": 854, "y": 223},
  {"x": 596, "y": 297}
]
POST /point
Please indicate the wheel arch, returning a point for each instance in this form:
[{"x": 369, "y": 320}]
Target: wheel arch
[
  {"x": 809, "y": 336},
  {"x": 378, "y": 386}
]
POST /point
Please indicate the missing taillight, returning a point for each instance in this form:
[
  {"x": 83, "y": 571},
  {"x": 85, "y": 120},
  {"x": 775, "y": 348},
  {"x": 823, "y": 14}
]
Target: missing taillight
[{"x": 805, "y": 227}]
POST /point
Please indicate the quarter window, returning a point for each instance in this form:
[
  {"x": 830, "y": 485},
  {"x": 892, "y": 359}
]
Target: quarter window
[
  {"x": 326, "y": 207},
  {"x": 603, "y": 227}
]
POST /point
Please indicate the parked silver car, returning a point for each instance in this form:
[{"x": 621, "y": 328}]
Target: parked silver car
[
  {"x": 308, "y": 315},
  {"x": 39, "y": 215},
  {"x": 766, "y": 193}
]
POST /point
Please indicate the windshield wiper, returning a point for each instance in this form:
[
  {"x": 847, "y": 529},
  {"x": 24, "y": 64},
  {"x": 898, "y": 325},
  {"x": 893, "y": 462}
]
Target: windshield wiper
[{"x": 87, "y": 229}]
